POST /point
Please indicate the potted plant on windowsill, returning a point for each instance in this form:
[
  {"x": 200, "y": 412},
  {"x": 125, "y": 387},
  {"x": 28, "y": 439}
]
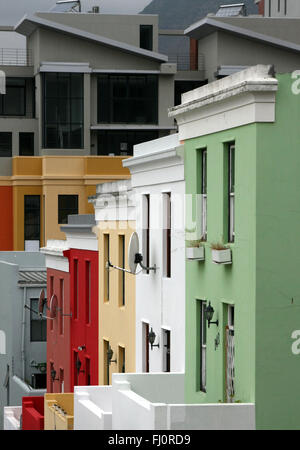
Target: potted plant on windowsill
[
  {"x": 195, "y": 250},
  {"x": 221, "y": 254}
]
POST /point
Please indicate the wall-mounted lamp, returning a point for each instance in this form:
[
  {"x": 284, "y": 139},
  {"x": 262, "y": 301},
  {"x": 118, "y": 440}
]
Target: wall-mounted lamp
[
  {"x": 151, "y": 337},
  {"x": 53, "y": 375},
  {"x": 209, "y": 312},
  {"x": 81, "y": 347},
  {"x": 110, "y": 355}
]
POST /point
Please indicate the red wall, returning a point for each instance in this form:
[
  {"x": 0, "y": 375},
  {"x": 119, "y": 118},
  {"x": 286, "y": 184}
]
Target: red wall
[
  {"x": 59, "y": 344},
  {"x": 261, "y": 7},
  {"x": 32, "y": 413},
  {"x": 83, "y": 332},
  {"x": 6, "y": 225}
]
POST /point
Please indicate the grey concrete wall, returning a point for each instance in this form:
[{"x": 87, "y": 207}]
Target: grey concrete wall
[
  {"x": 11, "y": 316},
  {"x": 276, "y": 8},
  {"x": 208, "y": 46},
  {"x": 233, "y": 50},
  {"x": 122, "y": 28}
]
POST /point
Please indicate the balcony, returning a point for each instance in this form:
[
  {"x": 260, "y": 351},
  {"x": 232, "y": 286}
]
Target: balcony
[
  {"x": 154, "y": 401},
  {"x": 16, "y": 57},
  {"x": 187, "y": 61}
]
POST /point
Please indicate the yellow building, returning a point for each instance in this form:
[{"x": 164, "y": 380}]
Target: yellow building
[
  {"x": 115, "y": 218},
  {"x": 59, "y": 412},
  {"x": 46, "y": 189}
]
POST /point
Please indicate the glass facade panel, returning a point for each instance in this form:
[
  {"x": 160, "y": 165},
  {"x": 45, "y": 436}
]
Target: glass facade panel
[
  {"x": 128, "y": 99},
  {"x": 63, "y": 110},
  {"x": 120, "y": 143},
  {"x": 67, "y": 205}
]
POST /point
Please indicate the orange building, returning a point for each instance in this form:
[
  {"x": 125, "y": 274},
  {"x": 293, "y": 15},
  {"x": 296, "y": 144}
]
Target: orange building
[{"x": 44, "y": 190}]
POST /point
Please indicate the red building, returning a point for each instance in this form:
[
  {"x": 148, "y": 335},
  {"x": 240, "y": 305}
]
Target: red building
[
  {"x": 72, "y": 283},
  {"x": 33, "y": 413}
]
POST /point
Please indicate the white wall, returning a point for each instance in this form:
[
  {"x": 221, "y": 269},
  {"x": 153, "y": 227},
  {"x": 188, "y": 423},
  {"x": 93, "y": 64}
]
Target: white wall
[
  {"x": 92, "y": 407},
  {"x": 160, "y": 301}
]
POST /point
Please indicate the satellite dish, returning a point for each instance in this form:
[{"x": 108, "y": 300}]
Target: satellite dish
[
  {"x": 133, "y": 249},
  {"x": 53, "y": 306},
  {"x": 42, "y": 301}
]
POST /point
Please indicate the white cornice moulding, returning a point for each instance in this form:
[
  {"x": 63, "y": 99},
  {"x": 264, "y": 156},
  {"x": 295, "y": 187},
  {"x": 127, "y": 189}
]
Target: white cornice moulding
[{"x": 246, "y": 97}]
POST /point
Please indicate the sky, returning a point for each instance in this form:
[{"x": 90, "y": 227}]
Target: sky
[{"x": 11, "y": 11}]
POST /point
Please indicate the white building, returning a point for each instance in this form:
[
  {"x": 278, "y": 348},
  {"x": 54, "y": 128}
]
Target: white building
[{"x": 157, "y": 171}]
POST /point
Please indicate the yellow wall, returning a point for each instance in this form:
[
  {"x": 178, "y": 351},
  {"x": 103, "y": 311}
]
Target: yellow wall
[
  {"x": 54, "y": 420},
  {"x": 50, "y": 176},
  {"x": 116, "y": 322}
]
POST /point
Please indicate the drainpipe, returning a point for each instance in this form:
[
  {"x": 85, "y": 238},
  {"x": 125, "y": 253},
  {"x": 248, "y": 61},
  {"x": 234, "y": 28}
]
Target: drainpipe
[{"x": 23, "y": 333}]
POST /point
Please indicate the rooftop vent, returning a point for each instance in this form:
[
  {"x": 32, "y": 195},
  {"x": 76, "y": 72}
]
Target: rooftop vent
[
  {"x": 67, "y": 6},
  {"x": 237, "y": 9}
]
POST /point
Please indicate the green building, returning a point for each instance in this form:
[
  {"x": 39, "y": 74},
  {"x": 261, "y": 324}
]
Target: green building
[{"x": 242, "y": 170}]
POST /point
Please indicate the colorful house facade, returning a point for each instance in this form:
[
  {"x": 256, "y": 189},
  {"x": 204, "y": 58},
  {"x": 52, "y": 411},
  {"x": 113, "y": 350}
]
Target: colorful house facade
[
  {"x": 115, "y": 217},
  {"x": 72, "y": 337},
  {"x": 241, "y": 302}
]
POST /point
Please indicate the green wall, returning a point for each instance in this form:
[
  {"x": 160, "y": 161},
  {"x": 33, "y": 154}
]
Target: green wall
[{"x": 263, "y": 281}]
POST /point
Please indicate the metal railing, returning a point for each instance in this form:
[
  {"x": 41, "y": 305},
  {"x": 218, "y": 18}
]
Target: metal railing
[
  {"x": 15, "y": 57},
  {"x": 187, "y": 61}
]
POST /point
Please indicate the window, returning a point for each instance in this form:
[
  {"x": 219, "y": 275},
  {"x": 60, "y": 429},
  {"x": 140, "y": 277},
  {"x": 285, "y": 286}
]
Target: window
[
  {"x": 38, "y": 326},
  {"x": 231, "y": 193},
  {"x": 145, "y": 349},
  {"x": 13, "y": 102},
  {"x": 204, "y": 193},
  {"x": 120, "y": 272},
  {"x": 39, "y": 380},
  {"x": 146, "y": 230},
  {"x": 67, "y": 205},
  {"x": 75, "y": 289},
  {"x": 5, "y": 144},
  {"x": 105, "y": 362},
  {"x": 120, "y": 143},
  {"x": 62, "y": 380},
  {"x": 167, "y": 234},
  {"x": 88, "y": 291},
  {"x": 32, "y": 217},
  {"x": 201, "y": 318},
  {"x": 167, "y": 350},
  {"x": 106, "y": 269},
  {"x": 278, "y": 5},
  {"x": 285, "y": 7},
  {"x": 121, "y": 360},
  {"x": 87, "y": 371},
  {"x": 26, "y": 144},
  {"x": 63, "y": 110},
  {"x": 128, "y": 99},
  {"x": 146, "y": 37},
  {"x": 51, "y": 293},
  {"x": 61, "y": 306}
]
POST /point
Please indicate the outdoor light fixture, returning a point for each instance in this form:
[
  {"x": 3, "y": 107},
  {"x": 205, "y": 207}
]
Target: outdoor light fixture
[
  {"x": 78, "y": 365},
  {"x": 110, "y": 355},
  {"x": 209, "y": 312},
  {"x": 53, "y": 375},
  {"x": 151, "y": 337}
]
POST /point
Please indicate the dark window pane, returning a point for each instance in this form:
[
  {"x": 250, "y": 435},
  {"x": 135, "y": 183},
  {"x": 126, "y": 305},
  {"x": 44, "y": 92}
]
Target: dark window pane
[
  {"x": 32, "y": 217},
  {"x": 26, "y": 144},
  {"x": 38, "y": 326},
  {"x": 146, "y": 37},
  {"x": 128, "y": 99},
  {"x": 63, "y": 110},
  {"x": 67, "y": 205},
  {"x": 5, "y": 144},
  {"x": 122, "y": 142}
]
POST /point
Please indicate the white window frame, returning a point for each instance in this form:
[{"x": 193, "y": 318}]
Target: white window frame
[
  {"x": 203, "y": 346},
  {"x": 204, "y": 194}
]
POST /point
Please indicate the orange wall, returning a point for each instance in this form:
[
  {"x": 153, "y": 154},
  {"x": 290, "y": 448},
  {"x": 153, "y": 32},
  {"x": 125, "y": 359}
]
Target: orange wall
[{"x": 6, "y": 225}]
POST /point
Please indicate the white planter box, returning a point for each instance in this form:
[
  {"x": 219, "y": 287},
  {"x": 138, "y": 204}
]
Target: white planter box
[
  {"x": 222, "y": 256},
  {"x": 195, "y": 253}
]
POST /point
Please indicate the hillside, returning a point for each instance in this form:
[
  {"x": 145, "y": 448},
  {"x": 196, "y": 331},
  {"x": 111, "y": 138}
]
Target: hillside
[{"x": 179, "y": 14}]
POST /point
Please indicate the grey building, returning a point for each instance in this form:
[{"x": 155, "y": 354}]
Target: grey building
[
  {"x": 22, "y": 333},
  {"x": 229, "y": 44},
  {"x": 86, "y": 84},
  {"x": 279, "y": 8}
]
